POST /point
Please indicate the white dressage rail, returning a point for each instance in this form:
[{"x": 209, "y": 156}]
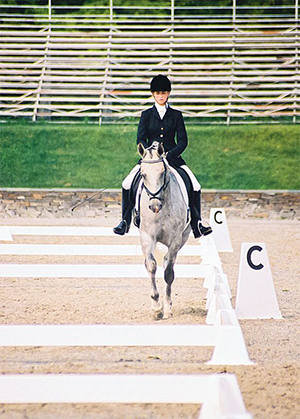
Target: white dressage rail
[
  {"x": 207, "y": 250},
  {"x": 219, "y": 395},
  {"x": 228, "y": 341},
  {"x": 108, "y": 335},
  {"x": 86, "y": 250},
  {"x": 61, "y": 231},
  {"x": 208, "y": 253},
  {"x": 94, "y": 271},
  {"x": 225, "y": 336}
]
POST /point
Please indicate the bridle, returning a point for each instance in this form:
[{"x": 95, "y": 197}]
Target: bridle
[{"x": 154, "y": 195}]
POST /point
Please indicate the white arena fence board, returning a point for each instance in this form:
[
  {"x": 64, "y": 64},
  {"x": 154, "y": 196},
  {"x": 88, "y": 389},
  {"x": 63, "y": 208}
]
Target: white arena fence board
[
  {"x": 117, "y": 388},
  {"x": 219, "y": 394},
  {"x": 225, "y": 336},
  {"x": 108, "y": 335},
  {"x": 86, "y": 250},
  {"x": 227, "y": 339},
  {"x": 66, "y": 231},
  {"x": 94, "y": 271},
  {"x": 120, "y": 335}
]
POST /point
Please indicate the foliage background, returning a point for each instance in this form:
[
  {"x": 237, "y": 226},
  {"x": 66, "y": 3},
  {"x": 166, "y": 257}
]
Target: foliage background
[{"x": 265, "y": 4}]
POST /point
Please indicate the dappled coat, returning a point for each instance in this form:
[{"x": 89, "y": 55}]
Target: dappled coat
[{"x": 153, "y": 128}]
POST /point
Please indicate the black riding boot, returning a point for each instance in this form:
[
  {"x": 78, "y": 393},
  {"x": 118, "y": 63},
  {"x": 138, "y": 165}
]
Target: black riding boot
[
  {"x": 124, "y": 225},
  {"x": 198, "y": 228}
]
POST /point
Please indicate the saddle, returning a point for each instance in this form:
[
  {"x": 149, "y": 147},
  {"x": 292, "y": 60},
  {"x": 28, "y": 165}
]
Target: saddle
[
  {"x": 187, "y": 183},
  {"x": 136, "y": 190}
]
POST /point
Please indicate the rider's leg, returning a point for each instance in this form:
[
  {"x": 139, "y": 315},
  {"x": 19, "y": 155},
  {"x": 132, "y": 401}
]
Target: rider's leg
[
  {"x": 127, "y": 206},
  {"x": 196, "y": 221},
  {"x": 197, "y": 205}
]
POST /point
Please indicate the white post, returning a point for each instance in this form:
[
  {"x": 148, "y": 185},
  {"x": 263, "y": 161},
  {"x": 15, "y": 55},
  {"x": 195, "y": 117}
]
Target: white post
[
  {"x": 111, "y": 9},
  {"x": 49, "y": 11},
  {"x": 172, "y": 16},
  {"x": 39, "y": 89},
  {"x": 233, "y": 10},
  {"x": 297, "y": 60},
  {"x": 233, "y": 60},
  {"x": 172, "y": 10}
]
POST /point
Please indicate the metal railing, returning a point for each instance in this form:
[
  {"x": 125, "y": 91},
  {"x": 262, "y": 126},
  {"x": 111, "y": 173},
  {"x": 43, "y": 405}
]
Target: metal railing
[
  {"x": 234, "y": 64},
  {"x": 168, "y": 9}
]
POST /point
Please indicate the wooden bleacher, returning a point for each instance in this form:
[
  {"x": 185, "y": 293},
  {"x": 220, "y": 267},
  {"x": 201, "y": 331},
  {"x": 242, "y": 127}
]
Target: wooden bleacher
[{"x": 69, "y": 68}]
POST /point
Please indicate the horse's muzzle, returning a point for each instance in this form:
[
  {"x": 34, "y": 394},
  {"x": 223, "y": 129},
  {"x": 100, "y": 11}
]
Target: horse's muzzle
[{"x": 155, "y": 207}]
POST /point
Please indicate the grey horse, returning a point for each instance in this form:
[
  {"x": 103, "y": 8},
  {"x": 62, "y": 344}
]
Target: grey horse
[{"x": 163, "y": 219}]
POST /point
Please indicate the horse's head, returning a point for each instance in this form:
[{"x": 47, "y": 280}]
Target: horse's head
[{"x": 155, "y": 174}]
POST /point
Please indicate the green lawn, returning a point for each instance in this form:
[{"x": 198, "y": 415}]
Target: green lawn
[{"x": 84, "y": 156}]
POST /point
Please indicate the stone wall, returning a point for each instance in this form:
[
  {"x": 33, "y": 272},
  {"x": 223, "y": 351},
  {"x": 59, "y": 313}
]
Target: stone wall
[{"x": 58, "y": 203}]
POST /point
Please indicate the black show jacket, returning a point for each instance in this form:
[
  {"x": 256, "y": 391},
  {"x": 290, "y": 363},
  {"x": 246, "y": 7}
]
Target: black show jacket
[{"x": 153, "y": 128}]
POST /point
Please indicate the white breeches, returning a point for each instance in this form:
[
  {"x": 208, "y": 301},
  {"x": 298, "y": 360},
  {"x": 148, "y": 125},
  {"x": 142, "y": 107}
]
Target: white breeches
[
  {"x": 129, "y": 179},
  {"x": 195, "y": 183}
]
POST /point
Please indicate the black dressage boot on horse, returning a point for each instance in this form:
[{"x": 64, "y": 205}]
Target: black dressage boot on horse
[
  {"x": 124, "y": 225},
  {"x": 198, "y": 228}
]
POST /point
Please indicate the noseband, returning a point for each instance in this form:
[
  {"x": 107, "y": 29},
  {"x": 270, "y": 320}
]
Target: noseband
[{"x": 153, "y": 195}]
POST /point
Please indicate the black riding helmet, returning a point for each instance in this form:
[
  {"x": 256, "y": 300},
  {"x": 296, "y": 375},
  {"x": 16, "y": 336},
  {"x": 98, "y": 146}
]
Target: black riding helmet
[{"x": 160, "y": 83}]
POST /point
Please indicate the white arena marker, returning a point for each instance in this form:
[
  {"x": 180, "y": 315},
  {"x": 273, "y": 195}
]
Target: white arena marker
[
  {"x": 218, "y": 289},
  {"x": 219, "y": 279},
  {"x": 219, "y": 394},
  {"x": 218, "y": 302},
  {"x": 5, "y": 234},
  {"x": 256, "y": 297},
  {"x": 207, "y": 240},
  {"x": 226, "y": 318},
  {"x": 212, "y": 271},
  {"x": 226, "y": 402},
  {"x": 218, "y": 223},
  {"x": 231, "y": 348},
  {"x": 93, "y": 271},
  {"x": 210, "y": 256}
]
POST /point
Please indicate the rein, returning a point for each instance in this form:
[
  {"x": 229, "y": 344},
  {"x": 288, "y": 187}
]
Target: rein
[{"x": 153, "y": 195}]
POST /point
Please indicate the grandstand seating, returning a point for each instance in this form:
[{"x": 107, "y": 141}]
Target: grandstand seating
[{"x": 69, "y": 68}]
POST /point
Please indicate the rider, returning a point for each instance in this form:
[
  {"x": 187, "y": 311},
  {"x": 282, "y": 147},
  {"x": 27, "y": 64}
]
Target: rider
[{"x": 161, "y": 123}]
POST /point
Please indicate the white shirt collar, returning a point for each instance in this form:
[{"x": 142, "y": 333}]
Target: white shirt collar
[{"x": 161, "y": 109}]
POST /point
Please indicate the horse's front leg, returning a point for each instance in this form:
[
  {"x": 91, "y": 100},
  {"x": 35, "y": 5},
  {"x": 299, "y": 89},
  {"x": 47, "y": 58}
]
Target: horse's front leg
[
  {"x": 169, "y": 276},
  {"x": 151, "y": 266}
]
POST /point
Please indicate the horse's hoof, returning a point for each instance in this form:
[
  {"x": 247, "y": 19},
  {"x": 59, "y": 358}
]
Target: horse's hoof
[
  {"x": 157, "y": 315},
  {"x": 167, "y": 309},
  {"x": 167, "y": 315}
]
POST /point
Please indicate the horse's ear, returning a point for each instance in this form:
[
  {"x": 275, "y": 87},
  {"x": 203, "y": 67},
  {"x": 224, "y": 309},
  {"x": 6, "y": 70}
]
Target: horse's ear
[
  {"x": 141, "y": 149},
  {"x": 160, "y": 149}
]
